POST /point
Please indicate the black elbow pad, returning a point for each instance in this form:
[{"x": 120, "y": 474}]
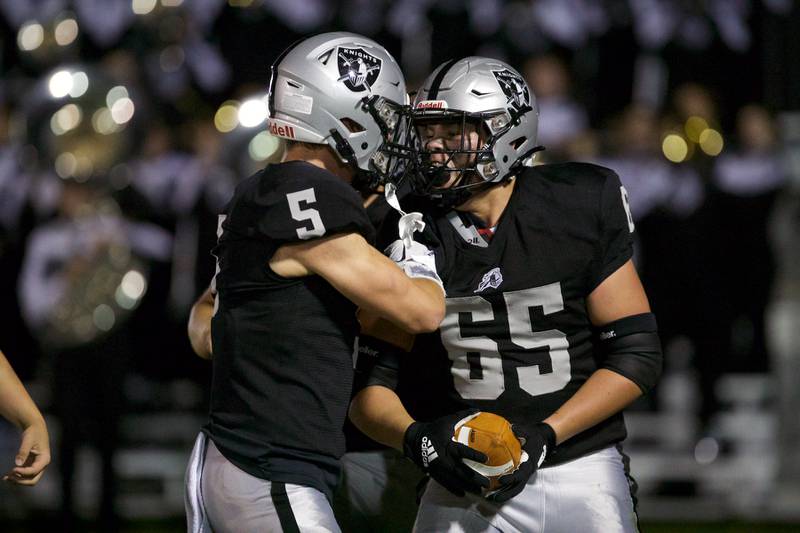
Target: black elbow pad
[
  {"x": 631, "y": 347},
  {"x": 377, "y": 363}
]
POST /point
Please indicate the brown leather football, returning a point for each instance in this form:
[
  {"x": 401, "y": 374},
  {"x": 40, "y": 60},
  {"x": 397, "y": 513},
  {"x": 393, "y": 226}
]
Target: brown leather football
[{"x": 492, "y": 435}]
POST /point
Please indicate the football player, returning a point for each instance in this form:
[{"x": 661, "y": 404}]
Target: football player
[
  {"x": 547, "y": 323},
  {"x": 294, "y": 260}
]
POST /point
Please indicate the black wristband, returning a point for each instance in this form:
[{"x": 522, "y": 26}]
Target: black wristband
[
  {"x": 410, "y": 440},
  {"x": 549, "y": 435}
]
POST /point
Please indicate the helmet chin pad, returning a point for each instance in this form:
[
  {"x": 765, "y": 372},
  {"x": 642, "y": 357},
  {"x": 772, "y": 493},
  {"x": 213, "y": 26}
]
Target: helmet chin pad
[{"x": 436, "y": 175}]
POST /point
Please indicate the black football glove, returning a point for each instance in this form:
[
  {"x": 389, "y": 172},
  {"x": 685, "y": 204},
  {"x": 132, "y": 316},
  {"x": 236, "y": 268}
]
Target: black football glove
[
  {"x": 431, "y": 446},
  {"x": 537, "y": 441}
]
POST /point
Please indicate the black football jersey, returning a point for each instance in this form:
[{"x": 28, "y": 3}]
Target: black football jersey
[
  {"x": 282, "y": 347},
  {"x": 516, "y": 339}
]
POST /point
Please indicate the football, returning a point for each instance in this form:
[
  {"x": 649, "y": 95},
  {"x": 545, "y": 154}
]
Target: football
[{"x": 492, "y": 435}]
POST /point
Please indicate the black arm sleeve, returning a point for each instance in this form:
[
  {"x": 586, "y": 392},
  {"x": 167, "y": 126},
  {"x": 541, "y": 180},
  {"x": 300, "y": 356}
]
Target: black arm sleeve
[
  {"x": 378, "y": 363},
  {"x": 631, "y": 347}
]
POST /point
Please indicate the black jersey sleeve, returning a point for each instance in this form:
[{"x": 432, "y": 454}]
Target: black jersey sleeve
[
  {"x": 300, "y": 202},
  {"x": 616, "y": 228}
]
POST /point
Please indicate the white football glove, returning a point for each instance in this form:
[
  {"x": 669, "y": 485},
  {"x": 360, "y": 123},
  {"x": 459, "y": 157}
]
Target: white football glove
[
  {"x": 416, "y": 260},
  {"x": 407, "y": 225}
]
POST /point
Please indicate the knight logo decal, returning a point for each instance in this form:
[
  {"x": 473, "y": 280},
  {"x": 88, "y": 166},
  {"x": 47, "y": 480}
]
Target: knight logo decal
[
  {"x": 358, "y": 69},
  {"x": 492, "y": 279},
  {"x": 514, "y": 87}
]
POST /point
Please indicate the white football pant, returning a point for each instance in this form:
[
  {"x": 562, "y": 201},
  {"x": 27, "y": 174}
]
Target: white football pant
[
  {"x": 591, "y": 494},
  {"x": 220, "y": 497}
]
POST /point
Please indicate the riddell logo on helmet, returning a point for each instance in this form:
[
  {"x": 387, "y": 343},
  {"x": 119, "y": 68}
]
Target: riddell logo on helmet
[
  {"x": 281, "y": 131},
  {"x": 432, "y": 104}
]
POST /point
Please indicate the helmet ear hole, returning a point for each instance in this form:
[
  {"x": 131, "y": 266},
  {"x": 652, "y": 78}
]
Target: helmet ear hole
[
  {"x": 353, "y": 126},
  {"x": 516, "y": 143}
]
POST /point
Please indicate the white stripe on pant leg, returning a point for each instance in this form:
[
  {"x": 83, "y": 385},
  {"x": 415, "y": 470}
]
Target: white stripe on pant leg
[
  {"x": 196, "y": 520},
  {"x": 312, "y": 510}
]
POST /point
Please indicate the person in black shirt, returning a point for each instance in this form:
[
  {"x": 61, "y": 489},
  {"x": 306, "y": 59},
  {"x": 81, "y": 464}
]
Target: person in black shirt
[
  {"x": 547, "y": 323},
  {"x": 294, "y": 261}
]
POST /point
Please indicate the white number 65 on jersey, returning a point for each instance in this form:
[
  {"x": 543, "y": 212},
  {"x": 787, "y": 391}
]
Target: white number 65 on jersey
[{"x": 477, "y": 363}]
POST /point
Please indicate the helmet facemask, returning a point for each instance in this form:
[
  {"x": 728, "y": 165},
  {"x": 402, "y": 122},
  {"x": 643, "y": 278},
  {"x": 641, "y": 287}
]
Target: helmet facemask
[
  {"x": 392, "y": 157},
  {"x": 474, "y": 95},
  {"x": 455, "y": 152}
]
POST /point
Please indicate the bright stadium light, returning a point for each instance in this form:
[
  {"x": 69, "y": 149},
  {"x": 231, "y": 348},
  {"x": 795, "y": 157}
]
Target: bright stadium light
[
  {"x": 60, "y": 84},
  {"x": 143, "y": 7},
  {"x": 80, "y": 84},
  {"x": 133, "y": 284},
  {"x": 674, "y": 148},
  {"x": 66, "y": 31},
  {"x": 711, "y": 142},
  {"x": 122, "y": 110},
  {"x": 115, "y": 93},
  {"x": 253, "y": 112},
  {"x": 227, "y": 116},
  {"x": 694, "y": 127},
  {"x": 65, "y": 119},
  {"x": 66, "y": 165},
  {"x": 103, "y": 123},
  {"x": 262, "y": 146},
  {"x": 30, "y": 36}
]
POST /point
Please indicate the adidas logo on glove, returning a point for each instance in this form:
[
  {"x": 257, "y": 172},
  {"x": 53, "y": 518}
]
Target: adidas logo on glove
[{"x": 428, "y": 452}]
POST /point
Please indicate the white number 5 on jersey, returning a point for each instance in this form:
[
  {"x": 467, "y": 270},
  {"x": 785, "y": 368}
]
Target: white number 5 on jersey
[{"x": 306, "y": 196}]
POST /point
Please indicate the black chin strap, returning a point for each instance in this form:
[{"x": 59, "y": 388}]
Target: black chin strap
[
  {"x": 517, "y": 167},
  {"x": 363, "y": 181}
]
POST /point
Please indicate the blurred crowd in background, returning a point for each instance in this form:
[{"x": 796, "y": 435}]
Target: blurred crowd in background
[{"x": 125, "y": 125}]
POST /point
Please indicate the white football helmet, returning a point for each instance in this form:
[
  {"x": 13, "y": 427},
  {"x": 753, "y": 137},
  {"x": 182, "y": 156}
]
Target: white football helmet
[
  {"x": 497, "y": 101},
  {"x": 346, "y": 91}
]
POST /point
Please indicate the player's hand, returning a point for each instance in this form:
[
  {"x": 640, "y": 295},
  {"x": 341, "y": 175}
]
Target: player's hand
[
  {"x": 33, "y": 456},
  {"x": 537, "y": 441},
  {"x": 416, "y": 259},
  {"x": 431, "y": 446}
]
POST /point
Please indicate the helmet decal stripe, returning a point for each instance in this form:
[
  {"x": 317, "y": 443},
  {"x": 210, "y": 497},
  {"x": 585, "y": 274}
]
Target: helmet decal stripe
[
  {"x": 273, "y": 76},
  {"x": 437, "y": 81}
]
